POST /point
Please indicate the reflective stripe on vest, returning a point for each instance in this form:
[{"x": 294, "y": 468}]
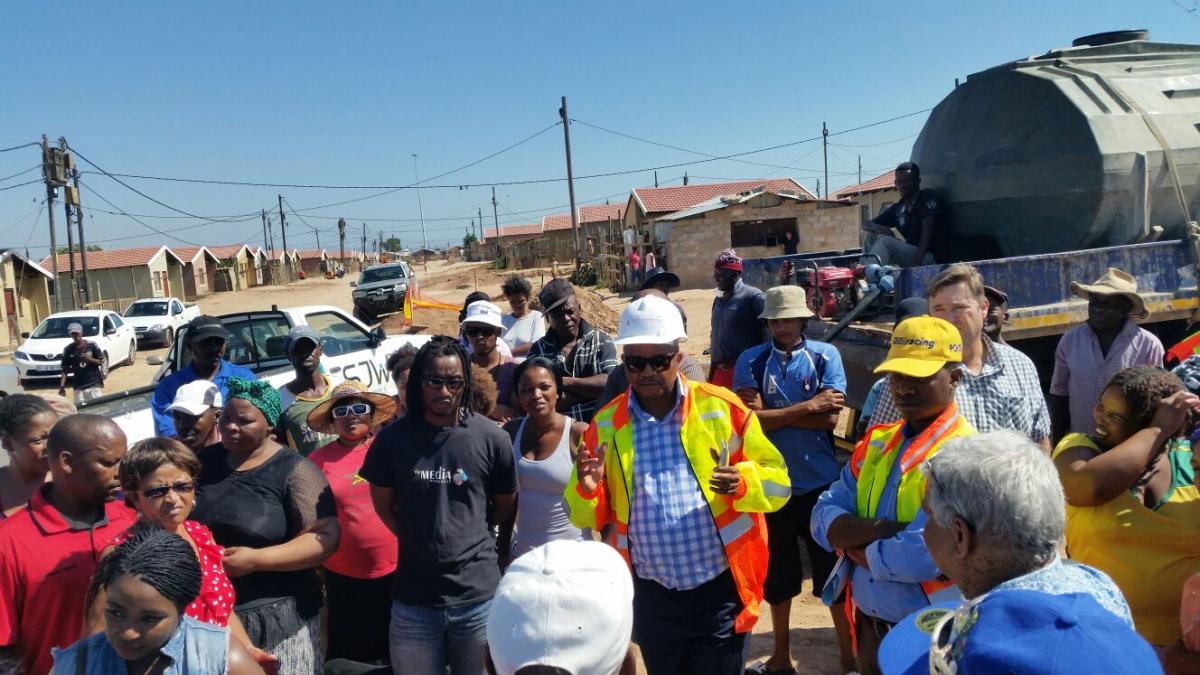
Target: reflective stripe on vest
[{"x": 875, "y": 456}]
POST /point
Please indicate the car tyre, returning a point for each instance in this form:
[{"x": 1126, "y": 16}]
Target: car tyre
[
  {"x": 132, "y": 353},
  {"x": 169, "y": 337},
  {"x": 104, "y": 366}
]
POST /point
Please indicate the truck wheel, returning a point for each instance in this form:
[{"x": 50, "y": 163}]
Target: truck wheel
[
  {"x": 104, "y": 366},
  {"x": 132, "y": 353},
  {"x": 169, "y": 337}
]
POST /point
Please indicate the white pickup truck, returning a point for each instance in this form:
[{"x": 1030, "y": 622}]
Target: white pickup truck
[
  {"x": 157, "y": 320},
  {"x": 258, "y": 340}
]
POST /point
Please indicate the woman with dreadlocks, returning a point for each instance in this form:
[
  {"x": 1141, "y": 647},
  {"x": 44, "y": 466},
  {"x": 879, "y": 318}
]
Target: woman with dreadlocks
[
  {"x": 432, "y": 474},
  {"x": 274, "y": 513},
  {"x": 147, "y": 582},
  {"x": 1132, "y": 510}
]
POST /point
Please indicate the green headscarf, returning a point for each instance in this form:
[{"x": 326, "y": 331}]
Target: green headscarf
[{"x": 259, "y": 393}]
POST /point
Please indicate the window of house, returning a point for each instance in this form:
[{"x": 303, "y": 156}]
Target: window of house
[{"x": 760, "y": 232}]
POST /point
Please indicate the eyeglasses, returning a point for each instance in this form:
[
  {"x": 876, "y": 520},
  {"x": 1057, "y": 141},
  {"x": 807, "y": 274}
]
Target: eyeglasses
[
  {"x": 437, "y": 383},
  {"x": 183, "y": 487},
  {"x": 658, "y": 362},
  {"x": 340, "y": 411},
  {"x": 480, "y": 331},
  {"x": 949, "y": 636}
]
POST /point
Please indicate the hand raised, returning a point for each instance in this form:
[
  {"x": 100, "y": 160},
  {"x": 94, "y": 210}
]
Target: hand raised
[
  {"x": 590, "y": 467},
  {"x": 1173, "y": 411}
]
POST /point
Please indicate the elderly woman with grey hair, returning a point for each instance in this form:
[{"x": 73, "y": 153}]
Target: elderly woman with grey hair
[{"x": 996, "y": 518}]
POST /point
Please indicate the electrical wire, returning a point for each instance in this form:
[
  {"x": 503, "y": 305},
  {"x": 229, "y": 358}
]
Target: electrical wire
[
  {"x": 139, "y": 221},
  {"x": 36, "y": 167},
  {"x": 28, "y": 182},
  {"x": 18, "y": 147}
]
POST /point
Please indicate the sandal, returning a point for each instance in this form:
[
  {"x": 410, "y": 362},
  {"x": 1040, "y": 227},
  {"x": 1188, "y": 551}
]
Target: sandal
[{"x": 760, "y": 668}]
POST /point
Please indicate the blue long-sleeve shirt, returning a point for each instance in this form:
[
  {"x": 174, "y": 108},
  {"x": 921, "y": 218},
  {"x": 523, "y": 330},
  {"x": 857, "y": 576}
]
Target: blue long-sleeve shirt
[
  {"x": 164, "y": 393},
  {"x": 891, "y": 589}
]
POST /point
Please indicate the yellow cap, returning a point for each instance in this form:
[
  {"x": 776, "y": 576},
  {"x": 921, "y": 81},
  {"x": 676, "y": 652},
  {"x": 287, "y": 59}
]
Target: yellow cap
[{"x": 920, "y": 347}]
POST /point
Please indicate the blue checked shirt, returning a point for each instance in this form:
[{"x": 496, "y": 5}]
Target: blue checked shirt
[{"x": 673, "y": 539}]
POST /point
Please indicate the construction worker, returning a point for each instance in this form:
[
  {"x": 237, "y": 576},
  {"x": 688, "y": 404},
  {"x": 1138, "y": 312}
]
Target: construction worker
[
  {"x": 692, "y": 474},
  {"x": 871, "y": 516}
]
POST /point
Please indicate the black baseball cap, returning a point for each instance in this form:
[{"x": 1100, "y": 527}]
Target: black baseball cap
[
  {"x": 555, "y": 293},
  {"x": 204, "y": 327},
  {"x": 657, "y": 274},
  {"x": 910, "y": 168}
]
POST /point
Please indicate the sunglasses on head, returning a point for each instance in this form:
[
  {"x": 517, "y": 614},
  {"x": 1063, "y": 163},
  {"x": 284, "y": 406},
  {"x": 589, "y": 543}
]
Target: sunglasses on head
[
  {"x": 479, "y": 331},
  {"x": 658, "y": 362},
  {"x": 340, "y": 411},
  {"x": 183, "y": 487},
  {"x": 438, "y": 383}
]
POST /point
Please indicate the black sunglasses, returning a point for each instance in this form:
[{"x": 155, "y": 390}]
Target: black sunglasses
[
  {"x": 183, "y": 487},
  {"x": 658, "y": 362},
  {"x": 351, "y": 409},
  {"x": 480, "y": 331},
  {"x": 438, "y": 382}
]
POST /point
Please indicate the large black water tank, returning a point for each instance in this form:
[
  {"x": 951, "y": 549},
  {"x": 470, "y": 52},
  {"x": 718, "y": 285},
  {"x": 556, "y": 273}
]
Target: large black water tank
[{"x": 1059, "y": 152}]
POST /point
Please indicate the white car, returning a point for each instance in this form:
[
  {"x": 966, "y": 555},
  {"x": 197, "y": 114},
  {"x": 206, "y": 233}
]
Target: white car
[
  {"x": 40, "y": 356},
  {"x": 158, "y": 319}
]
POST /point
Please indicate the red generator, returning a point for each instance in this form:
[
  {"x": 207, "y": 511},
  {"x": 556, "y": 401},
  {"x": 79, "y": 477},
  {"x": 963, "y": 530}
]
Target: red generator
[{"x": 831, "y": 291}]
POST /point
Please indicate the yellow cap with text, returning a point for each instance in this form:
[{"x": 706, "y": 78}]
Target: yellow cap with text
[{"x": 921, "y": 346}]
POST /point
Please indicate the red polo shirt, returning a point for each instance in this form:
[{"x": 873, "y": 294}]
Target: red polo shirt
[{"x": 46, "y": 565}]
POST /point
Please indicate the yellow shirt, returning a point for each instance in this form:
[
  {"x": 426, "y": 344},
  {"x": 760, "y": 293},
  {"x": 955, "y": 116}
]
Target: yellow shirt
[{"x": 1148, "y": 552}]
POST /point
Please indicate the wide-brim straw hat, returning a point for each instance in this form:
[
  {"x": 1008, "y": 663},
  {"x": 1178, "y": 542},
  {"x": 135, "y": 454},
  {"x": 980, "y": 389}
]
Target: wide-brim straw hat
[
  {"x": 321, "y": 417},
  {"x": 1114, "y": 282}
]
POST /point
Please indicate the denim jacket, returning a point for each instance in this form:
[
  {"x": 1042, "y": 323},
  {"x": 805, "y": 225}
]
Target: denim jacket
[{"x": 196, "y": 648}]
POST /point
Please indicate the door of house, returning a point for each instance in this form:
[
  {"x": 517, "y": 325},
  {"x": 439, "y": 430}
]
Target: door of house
[{"x": 166, "y": 284}]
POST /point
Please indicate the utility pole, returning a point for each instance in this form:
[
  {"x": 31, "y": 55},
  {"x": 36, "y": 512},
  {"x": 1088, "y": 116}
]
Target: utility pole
[
  {"x": 364, "y": 239},
  {"x": 420, "y": 206},
  {"x": 825, "y": 153},
  {"x": 480, "y": 235},
  {"x": 685, "y": 178},
  {"x": 47, "y": 170},
  {"x": 860, "y": 169},
  {"x": 496, "y": 220},
  {"x": 266, "y": 240},
  {"x": 62, "y": 148},
  {"x": 86, "y": 288},
  {"x": 318, "y": 233},
  {"x": 656, "y": 179},
  {"x": 342, "y": 241},
  {"x": 818, "y": 188},
  {"x": 282, "y": 228},
  {"x": 566, "y": 122}
]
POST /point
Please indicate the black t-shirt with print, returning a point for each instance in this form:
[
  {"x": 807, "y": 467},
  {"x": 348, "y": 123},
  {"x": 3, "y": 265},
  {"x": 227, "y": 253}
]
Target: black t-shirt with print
[
  {"x": 443, "y": 478},
  {"x": 87, "y": 375}
]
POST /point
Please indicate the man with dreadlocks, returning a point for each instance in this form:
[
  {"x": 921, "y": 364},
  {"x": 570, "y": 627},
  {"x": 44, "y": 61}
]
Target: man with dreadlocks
[{"x": 432, "y": 474}]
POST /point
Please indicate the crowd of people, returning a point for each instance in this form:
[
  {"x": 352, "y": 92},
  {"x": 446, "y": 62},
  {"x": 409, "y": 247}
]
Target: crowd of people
[{"x": 531, "y": 501}]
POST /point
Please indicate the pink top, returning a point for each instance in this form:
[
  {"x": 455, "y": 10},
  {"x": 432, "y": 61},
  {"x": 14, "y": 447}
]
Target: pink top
[
  {"x": 215, "y": 602},
  {"x": 368, "y": 549}
]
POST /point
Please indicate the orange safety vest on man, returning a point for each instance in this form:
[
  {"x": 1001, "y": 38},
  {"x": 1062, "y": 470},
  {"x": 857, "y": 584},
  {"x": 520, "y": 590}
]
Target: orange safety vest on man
[{"x": 713, "y": 417}]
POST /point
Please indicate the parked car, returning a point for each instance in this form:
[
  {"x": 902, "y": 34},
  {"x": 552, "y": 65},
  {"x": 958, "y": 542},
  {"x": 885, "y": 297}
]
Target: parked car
[
  {"x": 381, "y": 290},
  {"x": 156, "y": 320},
  {"x": 258, "y": 340},
  {"x": 40, "y": 356}
]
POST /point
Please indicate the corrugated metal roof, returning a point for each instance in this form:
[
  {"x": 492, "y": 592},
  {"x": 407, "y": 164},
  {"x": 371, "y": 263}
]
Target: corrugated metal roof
[
  {"x": 725, "y": 201},
  {"x": 671, "y": 199},
  {"x": 8, "y": 252}
]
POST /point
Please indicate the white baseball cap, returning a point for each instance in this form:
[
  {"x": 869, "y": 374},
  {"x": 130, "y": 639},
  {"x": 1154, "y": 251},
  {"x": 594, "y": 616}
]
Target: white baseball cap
[
  {"x": 650, "y": 320},
  {"x": 482, "y": 311},
  {"x": 195, "y": 397},
  {"x": 567, "y": 604}
]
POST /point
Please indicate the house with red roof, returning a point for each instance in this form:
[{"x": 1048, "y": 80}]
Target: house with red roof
[
  {"x": 310, "y": 261},
  {"x": 598, "y": 222},
  {"x": 754, "y": 222},
  {"x": 199, "y": 270},
  {"x": 122, "y": 275},
  {"x": 872, "y": 196},
  {"x": 236, "y": 269}
]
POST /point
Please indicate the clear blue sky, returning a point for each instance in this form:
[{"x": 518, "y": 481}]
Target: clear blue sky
[{"x": 345, "y": 93}]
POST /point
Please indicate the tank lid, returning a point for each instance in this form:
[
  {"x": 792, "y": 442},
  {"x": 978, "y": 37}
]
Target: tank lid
[{"x": 1112, "y": 37}]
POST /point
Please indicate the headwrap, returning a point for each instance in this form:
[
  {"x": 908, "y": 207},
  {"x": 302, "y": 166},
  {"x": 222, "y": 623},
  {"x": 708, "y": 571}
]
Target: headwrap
[
  {"x": 728, "y": 260},
  {"x": 259, "y": 393}
]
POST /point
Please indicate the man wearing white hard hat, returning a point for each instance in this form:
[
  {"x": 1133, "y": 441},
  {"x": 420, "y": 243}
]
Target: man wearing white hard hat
[
  {"x": 565, "y": 606},
  {"x": 692, "y": 475}
]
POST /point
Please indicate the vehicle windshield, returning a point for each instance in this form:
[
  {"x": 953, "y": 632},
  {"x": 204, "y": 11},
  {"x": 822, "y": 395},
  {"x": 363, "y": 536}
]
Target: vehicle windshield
[
  {"x": 147, "y": 309},
  {"x": 56, "y": 326},
  {"x": 381, "y": 274}
]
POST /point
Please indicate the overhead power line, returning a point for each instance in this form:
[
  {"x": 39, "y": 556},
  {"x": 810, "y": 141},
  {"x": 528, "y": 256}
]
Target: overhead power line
[
  {"x": 18, "y": 147},
  {"x": 36, "y": 167},
  {"x": 28, "y": 182}
]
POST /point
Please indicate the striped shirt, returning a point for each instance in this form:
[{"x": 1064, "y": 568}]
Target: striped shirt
[
  {"x": 1081, "y": 371},
  {"x": 594, "y": 354},
  {"x": 1006, "y": 394},
  {"x": 673, "y": 538}
]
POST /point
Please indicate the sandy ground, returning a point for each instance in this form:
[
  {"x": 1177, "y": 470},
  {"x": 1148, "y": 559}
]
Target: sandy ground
[{"x": 813, "y": 642}]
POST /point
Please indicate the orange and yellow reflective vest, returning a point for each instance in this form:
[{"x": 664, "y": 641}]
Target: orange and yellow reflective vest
[
  {"x": 712, "y": 415},
  {"x": 875, "y": 456}
]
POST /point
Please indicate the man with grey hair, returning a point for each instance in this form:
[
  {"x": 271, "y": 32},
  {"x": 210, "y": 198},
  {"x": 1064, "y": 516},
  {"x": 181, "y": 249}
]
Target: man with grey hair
[{"x": 996, "y": 517}]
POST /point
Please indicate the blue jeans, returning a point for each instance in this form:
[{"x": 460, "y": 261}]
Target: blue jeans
[{"x": 423, "y": 639}]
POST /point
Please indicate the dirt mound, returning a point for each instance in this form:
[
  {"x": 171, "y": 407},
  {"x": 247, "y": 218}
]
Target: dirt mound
[{"x": 596, "y": 312}]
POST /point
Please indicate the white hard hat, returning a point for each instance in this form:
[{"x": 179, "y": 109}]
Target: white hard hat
[{"x": 650, "y": 320}]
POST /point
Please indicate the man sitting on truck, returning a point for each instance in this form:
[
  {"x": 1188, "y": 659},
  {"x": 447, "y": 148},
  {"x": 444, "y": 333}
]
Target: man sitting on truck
[
  {"x": 206, "y": 340},
  {"x": 910, "y": 232}
]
